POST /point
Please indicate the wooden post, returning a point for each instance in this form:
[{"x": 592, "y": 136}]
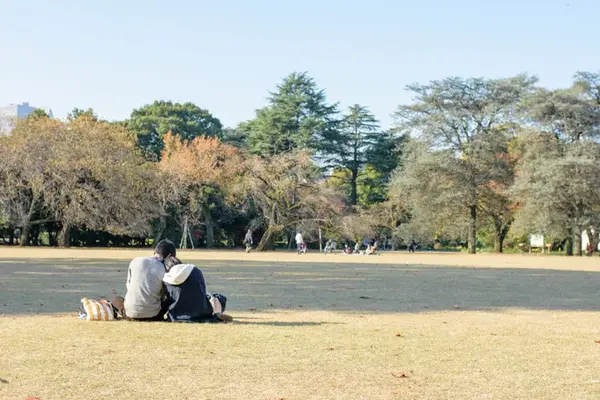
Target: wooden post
[
  {"x": 184, "y": 236},
  {"x": 320, "y": 241},
  {"x": 191, "y": 238}
]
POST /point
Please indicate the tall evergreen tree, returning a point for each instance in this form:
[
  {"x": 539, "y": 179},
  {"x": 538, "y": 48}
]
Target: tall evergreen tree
[
  {"x": 358, "y": 141},
  {"x": 297, "y": 116}
]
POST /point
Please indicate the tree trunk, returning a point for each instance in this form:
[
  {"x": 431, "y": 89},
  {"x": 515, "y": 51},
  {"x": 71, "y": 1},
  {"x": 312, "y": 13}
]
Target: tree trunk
[
  {"x": 500, "y": 234},
  {"x": 209, "y": 226},
  {"x": 472, "y": 239},
  {"x": 569, "y": 244},
  {"x": 27, "y": 223},
  {"x": 64, "y": 236},
  {"x": 320, "y": 241},
  {"x": 25, "y": 234},
  {"x": 354, "y": 192},
  {"x": 162, "y": 226},
  {"x": 265, "y": 239},
  {"x": 498, "y": 243},
  {"x": 577, "y": 241}
]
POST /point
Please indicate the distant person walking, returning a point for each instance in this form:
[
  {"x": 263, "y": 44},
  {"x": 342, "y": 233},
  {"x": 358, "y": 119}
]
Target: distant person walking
[
  {"x": 328, "y": 247},
  {"x": 412, "y": 246},
  {"x": 299, "y": 242},
  {"x": 248, "y": 241}
]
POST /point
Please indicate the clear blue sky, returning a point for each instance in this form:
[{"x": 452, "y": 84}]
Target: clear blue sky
[{"x": 225, "y": 55}]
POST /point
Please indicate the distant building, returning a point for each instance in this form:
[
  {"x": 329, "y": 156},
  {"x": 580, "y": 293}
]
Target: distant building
[
  {"x": 12, "y": 112},
  {"x": 19, "y": 111}
]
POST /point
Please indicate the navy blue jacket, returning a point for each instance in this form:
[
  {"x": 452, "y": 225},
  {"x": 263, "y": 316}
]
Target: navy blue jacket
[{"x": 186, "y": 298}]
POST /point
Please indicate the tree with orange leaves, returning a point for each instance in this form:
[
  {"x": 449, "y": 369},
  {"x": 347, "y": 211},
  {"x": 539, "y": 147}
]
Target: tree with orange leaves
[{"x": 196, "y": 172}]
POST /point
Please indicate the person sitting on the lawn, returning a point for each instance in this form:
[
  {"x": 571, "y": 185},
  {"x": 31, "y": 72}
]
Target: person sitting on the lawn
[
  {"x": 143, "y": 300},
  {"x": 303, "y": 248},
  {"x": 376, "y": 245},
  {"x": 186, "y": 296},
  {"x": 370, "y": 250},
  {"x": 347, "y": 250}
]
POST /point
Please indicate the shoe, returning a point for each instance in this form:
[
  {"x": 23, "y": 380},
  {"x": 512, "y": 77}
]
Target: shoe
[{"x": 224, "y": 317}]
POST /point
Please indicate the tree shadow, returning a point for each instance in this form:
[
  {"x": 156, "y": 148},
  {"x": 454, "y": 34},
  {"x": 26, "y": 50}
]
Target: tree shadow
[
  {"x": 280, "y": 323},
  {"x": 50, "y": 286}
]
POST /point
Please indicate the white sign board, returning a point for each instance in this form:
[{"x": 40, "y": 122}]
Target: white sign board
[{"x": 536, "y": 240}]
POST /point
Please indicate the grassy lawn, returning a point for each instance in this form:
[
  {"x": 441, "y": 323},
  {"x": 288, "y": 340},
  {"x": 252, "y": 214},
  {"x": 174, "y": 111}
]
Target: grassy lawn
[{"x": 424, "y": 326}]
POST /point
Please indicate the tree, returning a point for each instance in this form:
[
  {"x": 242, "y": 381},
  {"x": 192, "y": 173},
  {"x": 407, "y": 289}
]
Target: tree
[
  {"x": 371, "y": 185},
  {"x": 285, "y": 189},
  {"x": 572, "y": 116},
  {"x": 235, "y": 137},
  {"x": 99, "y": 180},
  {"x": 197, "y": 174},
  {"x": 186, "y": 120},
  {"x": 25, "y": 171},
  {"x": 38, "y": 113},
  {"x": 588, "y": 83},
  {"x": 387, "y": 217},
  {"x": 550, "y": 203},
  {"x": 295, "y": 119},
  {"x": 352, "y": 146},
  {"x": 567, "y": 114},
  {"x": 78, "y": 112},
  {"x": 92, "y": 176},
  {"x": 430, "y": 186},
  {"x": 457, "y": 120}
]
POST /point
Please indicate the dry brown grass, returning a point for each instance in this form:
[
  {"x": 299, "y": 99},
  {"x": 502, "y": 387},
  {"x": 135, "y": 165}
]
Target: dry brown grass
[{"x": 310, "y": 327}]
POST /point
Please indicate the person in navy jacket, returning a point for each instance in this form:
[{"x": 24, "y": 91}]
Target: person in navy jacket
[{"x": 186, "y": 298}]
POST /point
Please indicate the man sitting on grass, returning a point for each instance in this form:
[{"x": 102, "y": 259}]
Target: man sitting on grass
[
  {"x": 186, "y": 296},
  {"x": 144, "y": 298}
]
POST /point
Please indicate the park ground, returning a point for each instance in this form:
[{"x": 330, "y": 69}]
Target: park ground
[{"x": 396, "y": 326}]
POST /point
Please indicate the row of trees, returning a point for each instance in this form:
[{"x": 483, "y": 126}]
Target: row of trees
[
  {"x": 469, "y": 161},
  {"x": 491, "y": 155}
]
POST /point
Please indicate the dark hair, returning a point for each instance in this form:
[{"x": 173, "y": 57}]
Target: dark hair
[
  {"x": 171, "y": 261},
  {"x": 165, "y": 248}
]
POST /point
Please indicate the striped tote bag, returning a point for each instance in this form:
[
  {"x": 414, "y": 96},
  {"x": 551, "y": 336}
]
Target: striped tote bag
[{"x": 97, "y": 310}]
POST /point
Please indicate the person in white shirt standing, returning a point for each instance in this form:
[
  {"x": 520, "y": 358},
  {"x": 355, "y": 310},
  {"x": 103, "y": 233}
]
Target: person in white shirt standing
[
  {"x": 144, "y": 298},
  {"x": 299, "y": 241}
]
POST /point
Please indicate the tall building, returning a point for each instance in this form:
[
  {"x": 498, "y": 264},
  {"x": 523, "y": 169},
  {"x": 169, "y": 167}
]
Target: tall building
[
  {"x": 19, "y": 111},
  {"x": 12, "y": 112}
]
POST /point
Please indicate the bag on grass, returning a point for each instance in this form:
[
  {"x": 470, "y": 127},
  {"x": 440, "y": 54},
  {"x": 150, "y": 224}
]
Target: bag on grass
[{"x": 96, "y": 310}]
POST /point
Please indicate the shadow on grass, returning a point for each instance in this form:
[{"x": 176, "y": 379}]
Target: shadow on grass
[
  {"x": 51, "y": 286},
  {"x": 280, "y": 324}
]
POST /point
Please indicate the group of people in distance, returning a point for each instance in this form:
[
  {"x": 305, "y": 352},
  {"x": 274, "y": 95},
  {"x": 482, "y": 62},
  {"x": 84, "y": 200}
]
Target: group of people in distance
[
  {"x": 370, "y": 247},
  {"x": 300, "y": 243},
  {"x": 162, "y": 288}
]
